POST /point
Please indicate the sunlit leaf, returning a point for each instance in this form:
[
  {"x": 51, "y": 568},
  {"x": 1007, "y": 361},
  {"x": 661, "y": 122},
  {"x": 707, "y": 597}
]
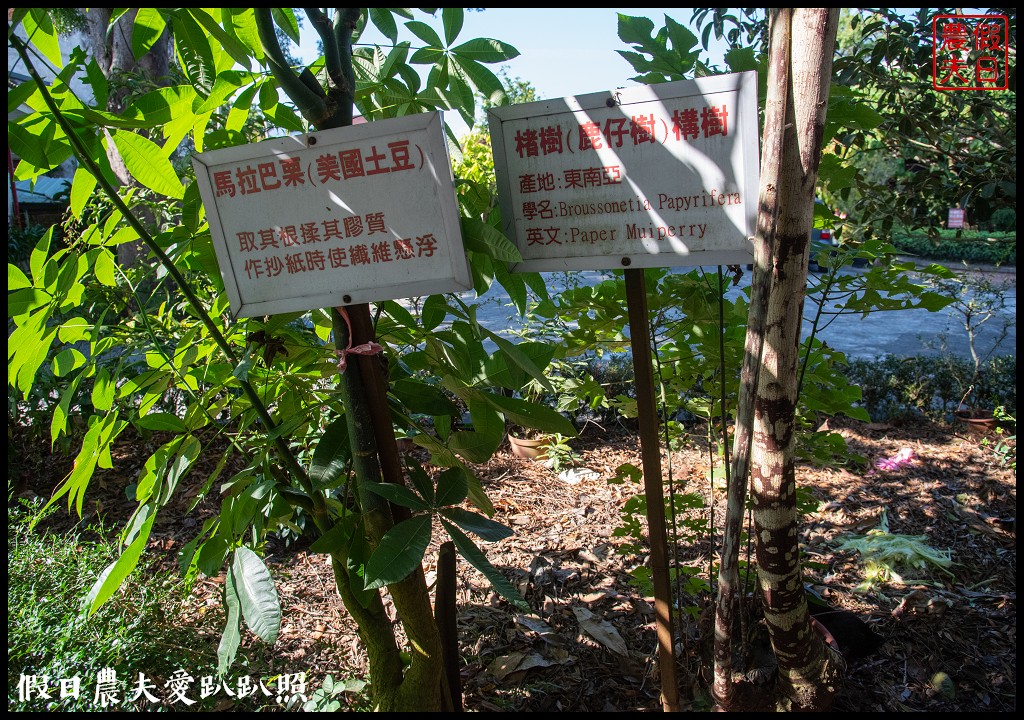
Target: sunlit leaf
[
  {"x": 147, "y": 164},
  {"x": 257, "y": 594},
  {"x": 399, "y": 553}
]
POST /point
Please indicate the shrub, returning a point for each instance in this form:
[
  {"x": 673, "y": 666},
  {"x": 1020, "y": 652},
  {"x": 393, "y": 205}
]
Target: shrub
[
  {"x": 895, "y": 388},
  {"x": 1004, "y": 219},
  {"x": 21, "y": 241},
  {"x": 969, "y": 248}
]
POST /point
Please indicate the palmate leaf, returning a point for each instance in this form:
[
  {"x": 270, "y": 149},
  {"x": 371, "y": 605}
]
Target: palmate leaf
[
  {"x": 193, "y": 46},
  {"x": 399, "y": 553},
  {"x": 477, "y": 559},
  {"x": 486, "y": 50},
  {"x": 257, "y": 594},
  {"x": 384, "y": 21},
  {"x": 483, "y": 527},
  {"x": 452, "y": 19},
  {"x": 481, "y": 237},
  {"x": 41, "y": 33},
  {"x": 397, "y": 494},
  {"x": 531, "y": 415}
]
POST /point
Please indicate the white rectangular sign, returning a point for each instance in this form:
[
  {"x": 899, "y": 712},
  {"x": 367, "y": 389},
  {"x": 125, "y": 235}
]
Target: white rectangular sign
[
  {"x": 654, "y": 176},
  {"x": 343, "y": 216}
]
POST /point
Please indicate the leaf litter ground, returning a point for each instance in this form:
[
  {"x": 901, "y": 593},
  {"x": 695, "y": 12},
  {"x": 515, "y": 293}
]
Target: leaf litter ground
[{"x": 589, "y": 643}]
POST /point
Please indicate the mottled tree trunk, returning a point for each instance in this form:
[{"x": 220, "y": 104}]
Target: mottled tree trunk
[{"x": 802, "y": 45}]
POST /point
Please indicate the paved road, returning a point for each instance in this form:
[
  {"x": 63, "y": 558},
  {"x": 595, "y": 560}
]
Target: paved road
[
  {"x": 904, "y": 333},
  {"x": 918, "y": 332}
]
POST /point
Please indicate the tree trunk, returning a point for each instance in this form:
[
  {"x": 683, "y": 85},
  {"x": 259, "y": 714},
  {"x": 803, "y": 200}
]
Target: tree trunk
[
  {"x": 112, "y": 50},
  {"x": 420, "y": 686},
  {"x": 809, "y": 673}
]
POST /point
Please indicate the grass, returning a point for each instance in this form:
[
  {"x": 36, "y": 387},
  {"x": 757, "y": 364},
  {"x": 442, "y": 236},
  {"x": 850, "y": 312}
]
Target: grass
[{"x": 139, "y": 629}]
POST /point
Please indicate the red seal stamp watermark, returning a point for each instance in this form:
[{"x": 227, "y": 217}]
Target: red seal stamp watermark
[{"x": 970, "y": 52}]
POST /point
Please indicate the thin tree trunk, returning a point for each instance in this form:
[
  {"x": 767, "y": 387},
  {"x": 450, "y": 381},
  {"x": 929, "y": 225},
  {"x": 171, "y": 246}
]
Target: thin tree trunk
[
  {"x": 810, "y": 673},
  {"x": 729, "y": 599},
  {"x": 112, "y": 49},
  {"x": 802, "y": 42}
]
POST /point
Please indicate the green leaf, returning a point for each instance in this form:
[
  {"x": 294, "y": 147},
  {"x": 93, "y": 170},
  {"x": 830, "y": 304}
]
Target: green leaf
[
  {"x": 32, "y": 142},
  {"x": 285, "y": 19},
  {"x": 433, "y": 313},
  {"x": 241, "y": 22},
  {"x": 104, "y": 268},
  {"x": 486, "y": 50},
  {"x": 398, "y": 494},
  {"x": 635, "y": 30},
  {"x": 194, "y": 51},
  {"x": 481, "y": 237},
  {"x": 163, "y": 105},
  {"x": 31, "y": 342},
  {"x": 425, "y": 33},
  {"x": 420, "y": 397},
  {"x": 468, "y": 549},
  {"x": 231, "y": 637},
  {"x": 103, "y": 390},
  {"x": 192, "y": 209},
  {"x": 399, "y": 553},
  {"x": 501, "y": 370},
  {"x": 41, "y": 33},
  {"x": 741, "y": 59},
  {"x": 452, "y": 19},
  {"x": 331, "y": 455},
  {"x": 452, "y": 487},
  {"x": 211, "y": 555},
  {"x": 337, "y": 538},
  {"x": 257, "y": 594},
  {"x": 483, "y": 527},
  {"x": 24, "y": 301},
  {"x": 161, "y": 422},
  {"x": 485, "y": 81},
  {"x": 16, "y": 280},
  {"x": 149, "y": 26},
  {"x": 66, "y": 361},
  {"x": 82, "y": 188},
  {"x": 530, "y": 414},
  {"x": 21, "y": 94},
  {"x": 238, "y": 52},
  {"x": 475, "y": 446},
  {"x": 115, "y": 573},
  {"x": 98, "y": 82},
  {"x": 384, "y": 21},
  {"x": 147, "y": 164}
]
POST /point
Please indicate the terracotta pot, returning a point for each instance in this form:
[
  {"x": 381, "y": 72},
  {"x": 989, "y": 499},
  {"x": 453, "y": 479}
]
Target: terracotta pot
[
  {"x": 530, "y": 449},
  {"x": 976, "y": 422}
]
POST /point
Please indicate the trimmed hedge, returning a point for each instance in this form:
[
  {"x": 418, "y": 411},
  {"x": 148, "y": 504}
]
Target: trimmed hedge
[
  {"x": 990, "y": 249},
  {"x": 895, "y": 388}
]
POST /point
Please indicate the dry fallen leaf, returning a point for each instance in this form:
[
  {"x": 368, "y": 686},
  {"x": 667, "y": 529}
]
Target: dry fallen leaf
[{"x": 601, "y": 630}]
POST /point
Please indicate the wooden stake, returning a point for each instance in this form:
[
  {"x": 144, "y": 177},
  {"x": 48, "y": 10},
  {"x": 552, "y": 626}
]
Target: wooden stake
[{"x": 650, "y": 452}]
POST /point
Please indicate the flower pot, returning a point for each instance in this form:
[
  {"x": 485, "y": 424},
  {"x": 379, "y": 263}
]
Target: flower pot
[
  {"x": 528, "y": 448},
  {"x": 975, "y": 421}
]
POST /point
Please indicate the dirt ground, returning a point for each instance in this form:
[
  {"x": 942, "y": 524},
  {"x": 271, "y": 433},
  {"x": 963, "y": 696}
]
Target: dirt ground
[{"x": 590, "y": 643}]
